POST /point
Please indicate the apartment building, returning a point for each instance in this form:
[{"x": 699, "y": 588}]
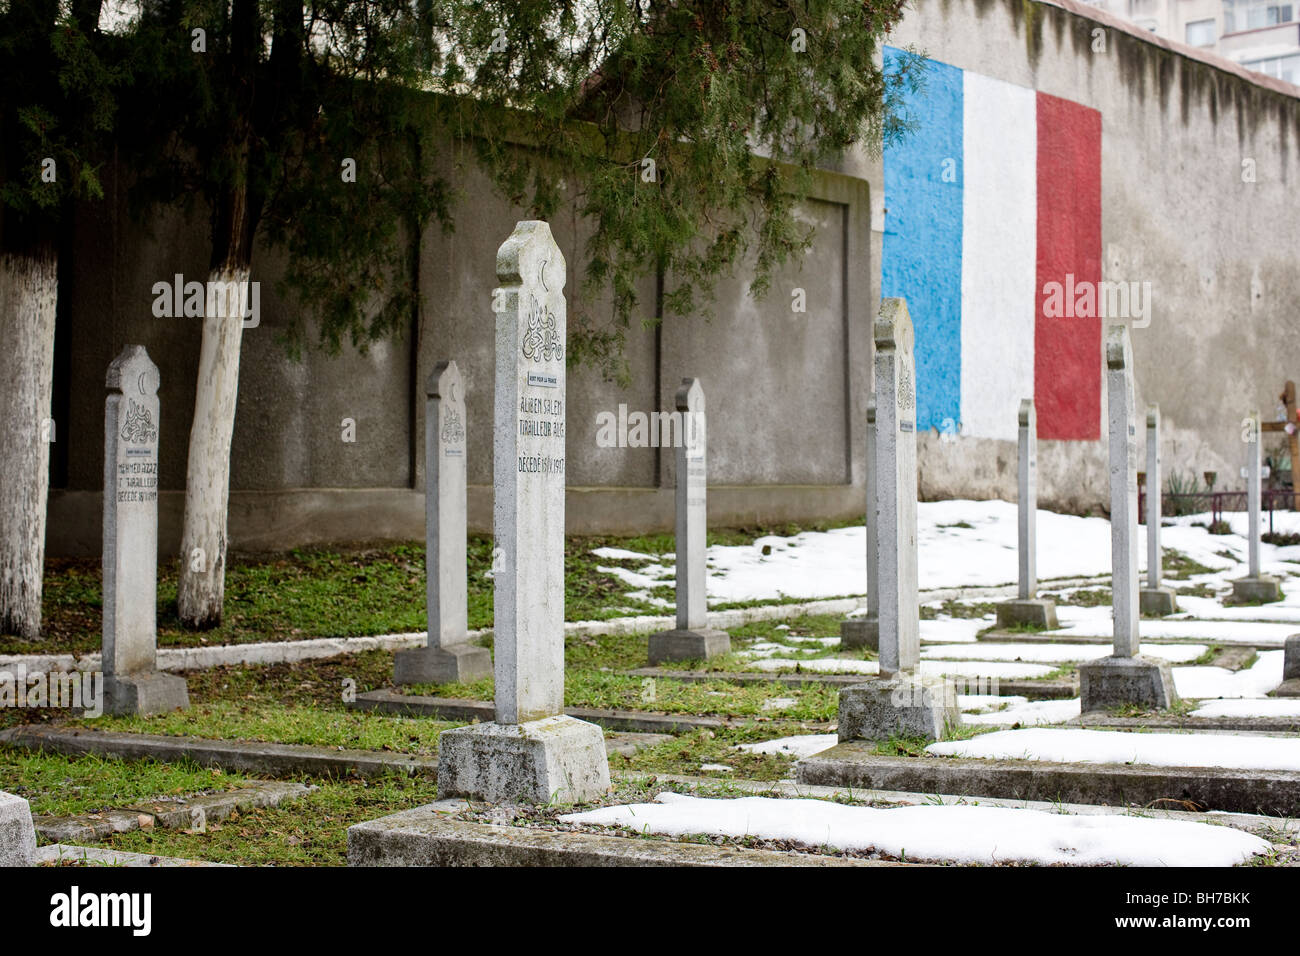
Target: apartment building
[{"x": 1261, "y": 35}]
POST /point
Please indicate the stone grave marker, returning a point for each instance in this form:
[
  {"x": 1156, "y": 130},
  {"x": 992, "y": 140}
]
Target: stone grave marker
[
  {"x": 1155, "y": 599},
  {"x": 1125, "y": 677},
  {"x": 132, "y": 682},
  {"x": 1290, "y": 686},
  {"x": 532, "y": 752},
  {"x": 448, "y": 656},
  {"x": 1028, "y": 608},
  {"x": 17, "y": 833},
  {"x": 865, "y": 631},
  {"x": 899, "y": 701},
  {"x": 1255, "y": 588},
  {"x": 692, "y": 638}
]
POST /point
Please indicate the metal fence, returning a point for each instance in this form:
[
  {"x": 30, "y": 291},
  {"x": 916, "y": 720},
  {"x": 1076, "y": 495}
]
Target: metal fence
[{"x": 1217, "y": 502}]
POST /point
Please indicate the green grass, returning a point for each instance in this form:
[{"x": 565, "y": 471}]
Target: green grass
[
  {"x": 685, "y": 753},
  {"x": 310, "y": 831},
  {"x": 353, "y": 591},
  {"x": 1178, "y": 565},
  {"x": 56, "y": 785}
]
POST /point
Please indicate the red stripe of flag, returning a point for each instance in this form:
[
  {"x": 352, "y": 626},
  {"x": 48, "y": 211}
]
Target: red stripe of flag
[{"x": 1067, "y": 350}]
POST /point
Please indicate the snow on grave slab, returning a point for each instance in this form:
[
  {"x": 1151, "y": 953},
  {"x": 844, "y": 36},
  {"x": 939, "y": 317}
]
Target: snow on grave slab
[
  {"x": 1226, "y": 751},
  {"x": 952, "y": 630},
  {"x": 1255, "y": 681},
  {"x": 800, "y": 745},
  {"x": 1261, "y": 633},
  {"x": 1267, "y": 707},
  {"x": 1005, "y": 670},
  {"x": 984, "y": 703},
  {"x": 959, "y": 834},
  {"x": 1054, "y": 653},
  {"x": 1028, "y": 714},
  {"x": 1212, "y": 609}
]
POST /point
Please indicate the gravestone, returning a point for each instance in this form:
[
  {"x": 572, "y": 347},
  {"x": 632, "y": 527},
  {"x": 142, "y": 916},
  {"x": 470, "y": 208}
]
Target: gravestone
[
  {"x": 1028, "y": 609},
  {"x": 899, "y": 701},
  {"x": 17, "y": 834},
  {"x": 1125, "y": 677},
  {"x": 1155, "y": 599},
  {"x": 132, "y": 682},
  {"x": 532, "y": 752},
  {"x": 692, "y": 639},
  {"x": 865, "y": 631},
  {"x": 448, "y": 656},
  {"x": 1255, "y": 588}
]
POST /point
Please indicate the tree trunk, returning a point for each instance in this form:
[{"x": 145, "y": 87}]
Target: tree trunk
[
  {"x": 207, "y": 480},
  {"x": 28, "y": 296}
]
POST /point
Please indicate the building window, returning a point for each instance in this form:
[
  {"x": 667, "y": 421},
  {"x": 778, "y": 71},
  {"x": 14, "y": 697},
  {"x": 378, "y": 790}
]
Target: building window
[
  {"x": 1239, "y": 15},
  {"x": 1283, "y": 67},
  {"x": 1201, "y": 33}
]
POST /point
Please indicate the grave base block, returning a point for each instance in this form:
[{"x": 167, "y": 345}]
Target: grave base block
[
  {"x": 1291, "y": 658},
  {"x": 1115, "y": 681},
  {"x": 559, "y": 759},
  {"x": 688, "y": 645},
  {"x": 904, "y": 705},
  {"x": 1288, "y": 688},
  {"x": 1157, "y": 602},
  {"x": 860, "y": 632},
  {"x": 17, "y": 834},
  {"x": 144, "y": 694},
  {"x": 458, "y": 663},
  {"x": 1035, "y": 612},
  {"x": 1261, "y": 590}
]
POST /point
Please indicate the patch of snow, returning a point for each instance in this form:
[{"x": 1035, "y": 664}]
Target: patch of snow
[
  {"x": 1268, "y": 707},
  {"x": 719, "y": 767},
  {"x": 1006, "y": 670},
  {"x": 1054, "y": 653},
  {"x": 1228, "y": 751},
  {"x": 1254, "y": 681},
  {"x": 800, "y": 745},
  {"x": 984, "y": 703},
  {"x": 621, "y": 554},
  {"x": 1029, "y": 713},
  {"x": 962, "y": 834}
]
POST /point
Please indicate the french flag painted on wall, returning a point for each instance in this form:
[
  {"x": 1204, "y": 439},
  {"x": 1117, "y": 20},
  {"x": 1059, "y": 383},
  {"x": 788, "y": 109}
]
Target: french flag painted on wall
[{"x": 995, "y": 194}]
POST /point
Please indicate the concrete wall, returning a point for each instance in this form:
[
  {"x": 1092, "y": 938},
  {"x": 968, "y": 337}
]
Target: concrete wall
[
  {"x": 785, "y": 390},
  {"x": 1177, "y": 125}
]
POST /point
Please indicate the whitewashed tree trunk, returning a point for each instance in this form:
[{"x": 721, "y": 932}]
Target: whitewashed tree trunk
[
  {"x": 28, "y": 296},
  {"x": 207, "y": 478}
]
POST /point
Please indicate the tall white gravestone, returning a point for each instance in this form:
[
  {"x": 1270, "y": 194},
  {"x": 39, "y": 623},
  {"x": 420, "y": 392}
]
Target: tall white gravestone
[
  {"x": 1126, "y": 677},
  {"x": 1155, "y": 599},
  {"x": 1255, "y": 588},
  {"x": 692, "y": 639},
  {"x": 899, "y": 702},
  {"x": 448, "y": 656},
  {"x": 532, "y": 752},
  {"x": 132, "y": 682},
  {"x": 865, "y": 631},
  {"x": 1028, "y": 608}
]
